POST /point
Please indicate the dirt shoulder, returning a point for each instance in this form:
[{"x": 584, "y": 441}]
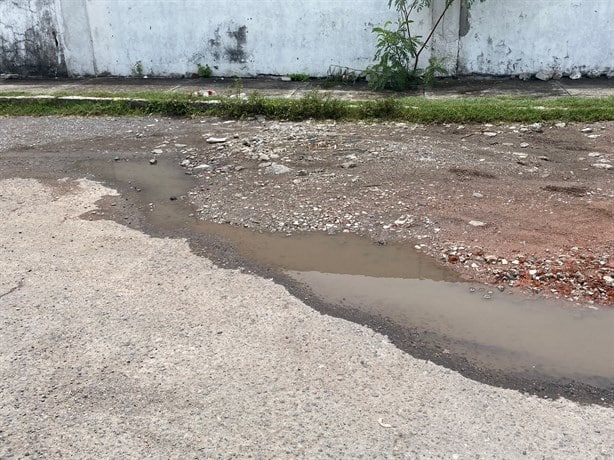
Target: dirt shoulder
[{"x": 529, "y": 207}]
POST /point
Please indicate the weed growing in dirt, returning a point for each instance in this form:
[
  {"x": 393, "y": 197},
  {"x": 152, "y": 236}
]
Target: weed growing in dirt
[
  {"x": 299, "y": 77},
  {"x": 138, "y": 69},
  {"x": 204, "y": 71}
]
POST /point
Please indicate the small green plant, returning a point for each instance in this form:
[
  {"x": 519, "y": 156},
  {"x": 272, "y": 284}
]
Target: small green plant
[
  {"x": 238, "y": 87},
  {"x": 204, "y": 71},
  {"x": 399, "y": 49},
  {"x": 299, "y": 77},
  {"x": 138, "y": 69}
]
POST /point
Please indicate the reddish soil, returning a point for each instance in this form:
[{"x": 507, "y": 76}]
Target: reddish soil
[{"x": 545, "y": 194}]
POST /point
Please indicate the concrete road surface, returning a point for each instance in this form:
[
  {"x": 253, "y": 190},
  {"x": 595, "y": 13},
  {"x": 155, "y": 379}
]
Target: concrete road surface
[{"x": 114, "y": 344}]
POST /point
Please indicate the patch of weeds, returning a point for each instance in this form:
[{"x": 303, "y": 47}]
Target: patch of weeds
[
  {"x": 138, "y": 69},
  {"x": 318, "y": 106},
  {"x": 382, "y": 109},
  {"x": 204, "y": 71},
  {"x": 299, "y": 77},
  {"x": 233, "y": 107},
  {"x": 315, "y": 105}
]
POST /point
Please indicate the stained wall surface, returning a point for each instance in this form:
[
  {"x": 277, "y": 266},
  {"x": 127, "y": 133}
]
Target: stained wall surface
[
  {"x": 277, "y": 37},
  {"x": 30, "y": 38},
  {"x": 528, "y": 36}
]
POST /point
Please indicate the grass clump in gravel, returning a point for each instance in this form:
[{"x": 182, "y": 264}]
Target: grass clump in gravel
[{"x": 316, "y": 105}]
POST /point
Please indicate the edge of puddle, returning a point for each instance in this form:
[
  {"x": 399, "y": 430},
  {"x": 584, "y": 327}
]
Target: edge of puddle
[{"x": 130, "y": 209}]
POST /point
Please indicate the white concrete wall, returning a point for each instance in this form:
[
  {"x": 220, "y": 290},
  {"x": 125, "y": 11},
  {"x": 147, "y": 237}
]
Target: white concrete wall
[
  {"x": 252, "y": 37},
  {"x": 511, "y": 37},
  {"x": 235, "y": 37}
]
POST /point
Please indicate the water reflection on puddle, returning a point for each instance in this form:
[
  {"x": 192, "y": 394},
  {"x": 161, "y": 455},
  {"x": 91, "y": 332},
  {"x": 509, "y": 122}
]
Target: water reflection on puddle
[{"x": 505, "y": 332}]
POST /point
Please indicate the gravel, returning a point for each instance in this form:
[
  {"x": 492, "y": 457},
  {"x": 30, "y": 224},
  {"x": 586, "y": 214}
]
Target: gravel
[{"x": 390, "y": 182}]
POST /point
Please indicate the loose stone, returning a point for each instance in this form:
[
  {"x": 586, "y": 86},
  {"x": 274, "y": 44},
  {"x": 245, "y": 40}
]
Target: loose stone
[{"x": 216, "y": 140}]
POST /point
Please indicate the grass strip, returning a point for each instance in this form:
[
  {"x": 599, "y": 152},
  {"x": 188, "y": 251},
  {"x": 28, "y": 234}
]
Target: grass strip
[{"x": 318, "y": 106}]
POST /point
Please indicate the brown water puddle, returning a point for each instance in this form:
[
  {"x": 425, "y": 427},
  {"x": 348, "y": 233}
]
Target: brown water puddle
[
  {"x": 490, "y": 329},
  {"x": 502, "y": 331}
]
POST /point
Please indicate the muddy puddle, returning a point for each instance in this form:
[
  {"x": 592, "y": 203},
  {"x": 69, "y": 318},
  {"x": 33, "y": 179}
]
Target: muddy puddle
[{"x": 489, "y": 329}]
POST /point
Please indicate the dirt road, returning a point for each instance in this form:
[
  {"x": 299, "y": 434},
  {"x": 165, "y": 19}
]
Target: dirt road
[
  {"x": 529, "y": 207},
  {"x": 115, "y": 343}
]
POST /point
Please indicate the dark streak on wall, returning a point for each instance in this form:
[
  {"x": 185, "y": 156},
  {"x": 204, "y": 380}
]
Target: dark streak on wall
[
  {"x": 35, "y": 50},
  {"x": 231, "y": 49},
  {"x": 465, "y": 24},
  {"x": 215, "y": 43},
  {"x": 236, "y": 53}
]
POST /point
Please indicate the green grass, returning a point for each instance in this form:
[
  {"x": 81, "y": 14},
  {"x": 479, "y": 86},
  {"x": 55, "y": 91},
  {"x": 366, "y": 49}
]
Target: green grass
[
  {"x": 299, "y": 77},
  {"x": 318, "y": 106}
]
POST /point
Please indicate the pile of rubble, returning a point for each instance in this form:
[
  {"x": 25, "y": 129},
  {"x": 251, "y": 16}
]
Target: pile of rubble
[{"x": 574, "y": 274}]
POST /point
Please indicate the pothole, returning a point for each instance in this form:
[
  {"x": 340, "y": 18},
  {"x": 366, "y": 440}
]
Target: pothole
[{"x": 489, "y": 329}]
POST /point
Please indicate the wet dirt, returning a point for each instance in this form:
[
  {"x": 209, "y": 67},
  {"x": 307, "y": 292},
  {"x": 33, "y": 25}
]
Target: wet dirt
[{"x": 171, "y": 201}]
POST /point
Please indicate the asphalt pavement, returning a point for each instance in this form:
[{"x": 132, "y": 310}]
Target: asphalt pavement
[{"x": 115, "y": 344}]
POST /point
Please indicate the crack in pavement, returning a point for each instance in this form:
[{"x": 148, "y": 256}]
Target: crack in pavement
[{"x": 14, "y": 288}]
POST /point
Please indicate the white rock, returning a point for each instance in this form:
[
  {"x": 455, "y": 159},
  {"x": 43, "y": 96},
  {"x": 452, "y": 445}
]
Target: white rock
[
  {"x": 524, "y": 145},
  {"x": 478, "y": 195},
  {"x": 489, "y": 134},
  {"x": 203, "y": 166},
  {"x": 587, "y": 130},
  {"x": 594, "y": 154},
  {"x": 606, "y": 166},
  {"x": 524, "y": 76},
  {"x": 477, "y": 223},
  {"x": 544, "y": 75},
  {"x": 536, "y": 127},
  {"x": 575, "y": 75},
  {"x": 157, "y": 151},
  {"x": 594, "y": 74},
  {"x": 217, "y": 140},
  {"x": 276, "y": 168},
  {"x": 560, "y": 125}
]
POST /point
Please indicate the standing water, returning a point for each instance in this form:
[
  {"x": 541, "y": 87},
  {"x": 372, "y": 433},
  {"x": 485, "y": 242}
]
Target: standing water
[{"x": 492, "y": 330}]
